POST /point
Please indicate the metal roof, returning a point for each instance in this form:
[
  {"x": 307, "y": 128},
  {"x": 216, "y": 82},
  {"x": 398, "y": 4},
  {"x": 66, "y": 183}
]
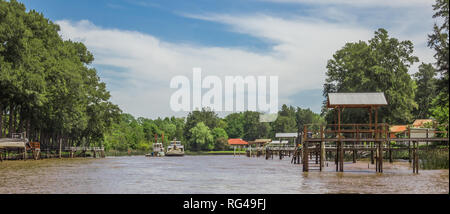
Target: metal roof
[
  {"x": 12, "y": 143},
  {"x": 263, "y": 140},
  {"x": 278, "y": 142},
  {"x": 286, "y": 135},
  {"x": 357, "y": 100}
]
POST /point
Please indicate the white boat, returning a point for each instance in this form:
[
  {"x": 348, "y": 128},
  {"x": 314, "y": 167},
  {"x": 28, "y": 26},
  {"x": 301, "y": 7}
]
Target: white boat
[
  {"x": 158, "y": 150},
  {"x": 18, "y": 141},
  {"x": 175, "y": 149}
]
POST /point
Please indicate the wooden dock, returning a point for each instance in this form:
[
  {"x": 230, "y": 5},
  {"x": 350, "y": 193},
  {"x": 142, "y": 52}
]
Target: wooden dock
[
  {"x": 19, "y": 148},
  {"x": 372, "y": 138},
  {"x": 376, "y": 143}
]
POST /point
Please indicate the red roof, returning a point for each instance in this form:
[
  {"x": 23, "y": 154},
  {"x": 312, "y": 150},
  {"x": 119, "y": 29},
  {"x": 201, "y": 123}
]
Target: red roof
[
  {"x": 237, "y": 142},
  {"x": 398, "y": 128},
  {"x": 420, "y": 122}
]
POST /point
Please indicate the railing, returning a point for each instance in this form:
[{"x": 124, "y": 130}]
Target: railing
[
  {"x": 368, "y": 132},
  {"x": 18, "y": 135},
  {"x": 35, "y": 145},
  {"x": 82, "y": 148},
  {"x": 281, "y": 148}
]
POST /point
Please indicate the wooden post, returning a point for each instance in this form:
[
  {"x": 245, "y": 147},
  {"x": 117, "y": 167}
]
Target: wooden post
[
  {"x": 322, "y": 148},
  {"x": 305, "y": 157},
  {"x": 376, "y": 157},
  {"x": 390, "y": 149},
  {"x": 409, "y": 145},
  {"x": 414, "y": 156},
  {"x": 341, "y": 146},
  {"x": 355, "y": 135},
  {"x": 60, "y": 147},
  {"x": 376, "y": 137},
  {"x": 381, "y": 156},
  {"x": 414, "y": 159},
  {"x": 317, "y": 152},
  {"x": 417, "y": 157}
]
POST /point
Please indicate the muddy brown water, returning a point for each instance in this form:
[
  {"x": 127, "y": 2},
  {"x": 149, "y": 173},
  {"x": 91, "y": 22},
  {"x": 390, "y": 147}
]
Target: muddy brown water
[{"x": 210, "y": 174}]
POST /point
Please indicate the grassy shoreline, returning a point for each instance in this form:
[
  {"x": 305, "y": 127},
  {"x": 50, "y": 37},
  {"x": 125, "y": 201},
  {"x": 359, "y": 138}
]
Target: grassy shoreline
[
  {"x": 137, "y": 152},
  {"x": 213, "y": 152}
]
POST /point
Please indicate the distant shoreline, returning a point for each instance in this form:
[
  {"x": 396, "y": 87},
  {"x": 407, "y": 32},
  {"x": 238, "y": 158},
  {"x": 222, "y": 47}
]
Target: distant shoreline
[
  {"x": 215, "y": 153},
  {"x": 190, "y": 153}
]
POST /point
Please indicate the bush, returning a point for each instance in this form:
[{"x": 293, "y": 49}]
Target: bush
[{"x": 434, "y": 159}]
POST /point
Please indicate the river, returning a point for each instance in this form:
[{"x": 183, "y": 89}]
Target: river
[{"x": 210, "y": 174}]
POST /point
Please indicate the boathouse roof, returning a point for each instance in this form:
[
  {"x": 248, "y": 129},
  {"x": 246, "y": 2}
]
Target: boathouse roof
[
  {"x": 260, "y": 141},
  {"x": 356, "y": 100},
  {"x": 287, "y": 135},
  {"x": 236, "y": 141},
  {"x": 421, "y": 122},
  {"x": 279, "y": 142}
]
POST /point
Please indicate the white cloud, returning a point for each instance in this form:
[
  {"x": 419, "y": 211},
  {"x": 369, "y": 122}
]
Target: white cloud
[
  {"x": 359, "y": 3},
  {"x": 146, "y": 63}
]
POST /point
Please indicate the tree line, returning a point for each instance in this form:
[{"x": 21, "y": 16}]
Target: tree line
[
  {"x": 204, "y": 130},
  {"x": 47, "y": 88},
  {"x": 383, "y": 65}
]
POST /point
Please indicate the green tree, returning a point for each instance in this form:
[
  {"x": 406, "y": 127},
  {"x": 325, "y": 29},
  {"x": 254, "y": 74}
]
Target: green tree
[
  {"x": 47, "y": 87},
  {"x": 207, "y": 116},
  {"x": 438, "y": 40},
  {"x": 284, "y": 124},
  {"x": 235, "y": 125},
  {"x": 253, "y": 129},
  {"x": 426, "y": 90},
  {"x": 201, "y": 137},
  {"x": 381, "y": 65},
  {"x": 220, "y": 139}
]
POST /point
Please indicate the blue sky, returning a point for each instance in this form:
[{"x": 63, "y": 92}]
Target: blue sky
[{"x": 140, "y": 45}]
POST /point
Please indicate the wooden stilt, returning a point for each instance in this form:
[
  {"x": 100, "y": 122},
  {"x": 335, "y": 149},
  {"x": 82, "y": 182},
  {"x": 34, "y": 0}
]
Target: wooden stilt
[
  {"x": 381, "y": 157},
  {"x": 390, "y": 152},
  {"x": 60, "y": 145},
  {"x": 376, "y": 157},
  {"x": 305, "y": 157},
  {"x": 336, "y": 157},
  {"x": 417, "y": 157},
  {"x": 414, "y": 158},
  {"x": 341, "y": 156},
  {"x": 409, "y": 145}
]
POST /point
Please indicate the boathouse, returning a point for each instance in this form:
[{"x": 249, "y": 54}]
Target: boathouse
[{"x": 237, "y": 143}]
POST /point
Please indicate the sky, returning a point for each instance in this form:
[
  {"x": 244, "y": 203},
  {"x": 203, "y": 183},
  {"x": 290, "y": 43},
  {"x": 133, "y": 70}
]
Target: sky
[{"x": 140, "y": 45}]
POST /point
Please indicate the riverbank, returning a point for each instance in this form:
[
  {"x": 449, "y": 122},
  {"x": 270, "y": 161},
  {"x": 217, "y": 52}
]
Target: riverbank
[
  {"x": 214, "y": 153},
  {"x": 137, "y": 152}
]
